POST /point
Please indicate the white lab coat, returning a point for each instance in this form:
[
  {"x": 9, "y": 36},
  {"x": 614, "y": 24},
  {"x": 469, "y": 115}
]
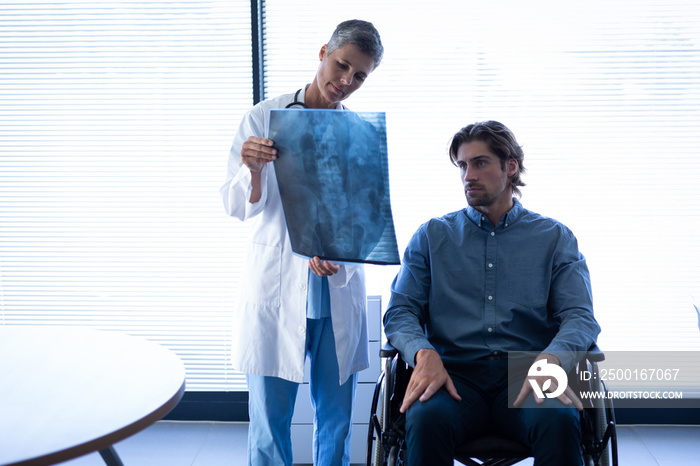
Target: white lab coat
[{"x": 270, "y": 328}]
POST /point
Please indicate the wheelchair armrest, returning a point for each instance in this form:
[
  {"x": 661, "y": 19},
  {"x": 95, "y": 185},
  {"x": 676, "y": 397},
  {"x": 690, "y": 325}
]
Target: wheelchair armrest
[
  {"x": 595, "y": 354},
  {"x": 388, "y": 351}
]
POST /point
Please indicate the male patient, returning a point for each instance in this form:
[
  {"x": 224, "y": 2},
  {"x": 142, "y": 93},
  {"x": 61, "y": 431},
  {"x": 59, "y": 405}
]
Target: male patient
[{"x": 475, "y": 285}]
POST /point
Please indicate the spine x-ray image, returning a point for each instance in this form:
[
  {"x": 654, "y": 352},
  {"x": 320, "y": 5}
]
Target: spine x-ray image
[{"x": 333, "y": 177}]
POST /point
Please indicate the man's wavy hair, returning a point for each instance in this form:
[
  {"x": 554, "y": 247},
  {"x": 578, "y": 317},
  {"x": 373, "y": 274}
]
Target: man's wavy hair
[{"x": 501, "y": 141}]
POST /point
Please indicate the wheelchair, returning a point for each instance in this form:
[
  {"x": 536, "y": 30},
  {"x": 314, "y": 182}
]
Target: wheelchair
[{"x": 386, "y": 435}]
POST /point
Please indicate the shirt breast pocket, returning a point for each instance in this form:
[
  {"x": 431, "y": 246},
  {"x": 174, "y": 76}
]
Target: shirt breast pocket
[
  {"x": 262, "y": 276},
  {"x": 528, "y": 282}
]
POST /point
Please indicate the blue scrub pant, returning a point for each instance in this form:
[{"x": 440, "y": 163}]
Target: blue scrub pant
[
  {"x": 435, "y": 427},
  {"x": 271, "y": 405}
]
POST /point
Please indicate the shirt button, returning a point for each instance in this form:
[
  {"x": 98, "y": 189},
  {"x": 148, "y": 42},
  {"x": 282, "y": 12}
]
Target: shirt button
[
  {"x": 490, "y": 266},
  {"x": 490, "y": 298},
  {"x": 490, "y": 329},
  {"x": 493, "y": 233}
]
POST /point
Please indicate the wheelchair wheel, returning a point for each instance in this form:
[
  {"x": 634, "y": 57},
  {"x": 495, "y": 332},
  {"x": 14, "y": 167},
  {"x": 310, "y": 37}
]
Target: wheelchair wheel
[
  {"x": 601, "y": 423},
  {"x": 611, "y": 445},
  {"x": 394, "y": 458},
  {"x": 385, "y": 437},
  {"x": 375, "y": 449}
]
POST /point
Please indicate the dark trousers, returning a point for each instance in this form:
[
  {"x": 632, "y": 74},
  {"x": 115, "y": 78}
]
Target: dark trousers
[{"x": 435, "y": 427}]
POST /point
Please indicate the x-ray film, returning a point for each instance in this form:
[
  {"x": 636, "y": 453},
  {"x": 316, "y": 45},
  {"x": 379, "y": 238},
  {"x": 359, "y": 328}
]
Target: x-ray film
[{"x": 333, "y": 177}]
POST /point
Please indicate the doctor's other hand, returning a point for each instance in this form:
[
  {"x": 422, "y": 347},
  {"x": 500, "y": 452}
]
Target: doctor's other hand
[
  {"x": 323, "y": 268},
  {"x": 256, "y": 152}
]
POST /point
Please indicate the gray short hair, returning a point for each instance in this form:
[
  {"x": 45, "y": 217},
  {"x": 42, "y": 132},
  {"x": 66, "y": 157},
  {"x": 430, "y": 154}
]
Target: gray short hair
[{"x": 360, "y": 33}]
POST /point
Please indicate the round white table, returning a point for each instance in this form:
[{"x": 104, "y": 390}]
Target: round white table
[{"x": 66, "y": 392}]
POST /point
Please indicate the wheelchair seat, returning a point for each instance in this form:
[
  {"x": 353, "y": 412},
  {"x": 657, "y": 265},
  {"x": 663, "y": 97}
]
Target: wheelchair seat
[
  {"x": 386, "y": 435},
  {"x": 492, "y": 450}
]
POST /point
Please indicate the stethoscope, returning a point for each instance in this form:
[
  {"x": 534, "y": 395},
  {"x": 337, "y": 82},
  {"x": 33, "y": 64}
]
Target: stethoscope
[{"x": 296, "y": 102}]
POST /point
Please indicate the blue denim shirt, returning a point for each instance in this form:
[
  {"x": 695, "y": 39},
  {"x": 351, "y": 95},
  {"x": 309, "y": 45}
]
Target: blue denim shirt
[{"x": 468, "y": 289}]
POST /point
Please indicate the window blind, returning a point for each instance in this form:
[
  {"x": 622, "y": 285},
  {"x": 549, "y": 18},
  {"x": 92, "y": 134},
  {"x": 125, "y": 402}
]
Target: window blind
[
  {"x": 115, "y": 124},
  {"x": 604, "y": 97},
  {"x": 116, "y": 120}
]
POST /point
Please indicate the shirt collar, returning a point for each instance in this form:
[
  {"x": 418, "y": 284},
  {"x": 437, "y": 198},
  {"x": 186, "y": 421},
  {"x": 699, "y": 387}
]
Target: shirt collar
[
  {"x": 508, "y": 219},
  {"x": 301, "y": 98}
]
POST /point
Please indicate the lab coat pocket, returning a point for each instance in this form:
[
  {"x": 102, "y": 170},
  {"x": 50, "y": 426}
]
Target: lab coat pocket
[{"x": 262, "y": 276}]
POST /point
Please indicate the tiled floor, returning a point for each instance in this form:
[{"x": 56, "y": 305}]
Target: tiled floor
[{"x": 170, "y": 443}]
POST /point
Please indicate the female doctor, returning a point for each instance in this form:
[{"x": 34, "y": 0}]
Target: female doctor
[{"x": 291, "y": 308}]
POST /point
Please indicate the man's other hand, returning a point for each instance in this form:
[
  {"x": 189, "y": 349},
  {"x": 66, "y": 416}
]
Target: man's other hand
[{"x": 567, "y": 398}]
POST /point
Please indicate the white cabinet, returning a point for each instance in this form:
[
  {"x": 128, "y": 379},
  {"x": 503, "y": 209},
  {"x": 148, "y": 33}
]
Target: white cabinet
[{"x": 303, "y": 420}]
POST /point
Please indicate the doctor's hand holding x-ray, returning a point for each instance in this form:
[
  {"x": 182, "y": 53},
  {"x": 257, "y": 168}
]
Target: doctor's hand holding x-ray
[{"x": 255, "y": 153}]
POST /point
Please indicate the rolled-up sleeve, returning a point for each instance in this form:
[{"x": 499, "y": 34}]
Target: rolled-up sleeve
[
  {"x": 235, "y": 193},
  {"x": 344, "y": 275}
]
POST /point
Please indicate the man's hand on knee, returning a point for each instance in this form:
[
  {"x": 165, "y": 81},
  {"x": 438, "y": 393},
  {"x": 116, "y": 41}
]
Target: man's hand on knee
[{"x": 428, "y": 377}]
